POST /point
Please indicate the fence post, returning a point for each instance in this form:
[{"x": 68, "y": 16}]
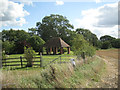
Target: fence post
[
  {"x": 41, "y": 60},
  {"x": 21, "y": 61},
  {"x": 60, "y": 59}
]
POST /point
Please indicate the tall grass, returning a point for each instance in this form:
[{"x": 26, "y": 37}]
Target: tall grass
[{"x": 56, "y": 76}]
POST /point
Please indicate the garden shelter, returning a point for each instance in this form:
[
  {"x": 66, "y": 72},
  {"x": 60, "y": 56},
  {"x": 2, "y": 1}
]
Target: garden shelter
[{"x": 54, "y": 44}]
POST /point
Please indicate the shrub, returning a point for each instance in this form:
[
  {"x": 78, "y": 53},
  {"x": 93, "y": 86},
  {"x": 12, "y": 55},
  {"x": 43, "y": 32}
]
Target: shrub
[
  {"x": 29, "y": 55},
  {"x": 81, "y": 47}
]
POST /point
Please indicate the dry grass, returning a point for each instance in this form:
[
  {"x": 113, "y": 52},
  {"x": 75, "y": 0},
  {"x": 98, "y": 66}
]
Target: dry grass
[
  {"x": 110, "y": 53},
  {"x": 55, "y": 76}
]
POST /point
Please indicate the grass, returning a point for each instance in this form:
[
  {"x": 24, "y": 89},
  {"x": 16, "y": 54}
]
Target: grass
[
  {"x": 46, "y": 59},
  {"x": 56, "y": 76},
  {"x": 111, "y": 53}
]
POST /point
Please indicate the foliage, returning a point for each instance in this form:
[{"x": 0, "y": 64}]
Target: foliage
[
  {"x": 88, "y": 35},
  {"x": 115, "y": 43},
  {"x": 18, "y": 37},
  {"x": 36, "y": 42},
  {"x": 80, "y": 46},
  {"x": 32, "y": 31},
  {"x": 106, "y": 38},
  {"x": 29, "y": 55},
  {"x": 106, "y": 45},
  {"x": 3, "y": 55},
  {"x": 53, "y": 26},
  {"x": 8, "y": 47}
]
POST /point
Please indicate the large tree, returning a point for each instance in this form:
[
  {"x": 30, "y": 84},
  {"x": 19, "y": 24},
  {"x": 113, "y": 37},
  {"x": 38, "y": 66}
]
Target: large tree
[
  {"x": 106, "y": 38},
  {"x": 88, "y": 35},
  {"x": 16, "y": 37},
  {"x": 53, "y": 26}
]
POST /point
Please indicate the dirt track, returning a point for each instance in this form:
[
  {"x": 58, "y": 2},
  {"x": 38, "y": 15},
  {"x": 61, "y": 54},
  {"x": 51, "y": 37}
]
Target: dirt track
[{"x": 110, "y": 77}]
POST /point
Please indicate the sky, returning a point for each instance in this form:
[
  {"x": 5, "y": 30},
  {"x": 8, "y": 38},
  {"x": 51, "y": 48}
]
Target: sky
[{"x": 101, "y": 18}]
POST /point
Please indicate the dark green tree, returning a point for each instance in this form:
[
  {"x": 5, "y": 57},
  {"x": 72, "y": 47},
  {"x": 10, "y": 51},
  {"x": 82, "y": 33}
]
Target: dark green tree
[
  {"x": 53, "y": 26},
  {"x": 106, "y": 38},
  {"x": 36, "y": 42},
  {"x": 88, "y": 35},
  {"x": 115, "y": 43}
]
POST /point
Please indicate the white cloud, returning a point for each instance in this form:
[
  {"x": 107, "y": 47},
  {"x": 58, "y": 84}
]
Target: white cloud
[
  {"x": 101, "y": 21},
  {"x": 59, "y": 2},
  {"x": 12, "y": 14},
  {"x": 98, "y": 1}
]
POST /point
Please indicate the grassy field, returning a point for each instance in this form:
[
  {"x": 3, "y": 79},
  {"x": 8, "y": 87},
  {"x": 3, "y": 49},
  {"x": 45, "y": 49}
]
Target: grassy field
[
  {"x": 56, "y": 76},
  {"x": 61, "y": 75}
]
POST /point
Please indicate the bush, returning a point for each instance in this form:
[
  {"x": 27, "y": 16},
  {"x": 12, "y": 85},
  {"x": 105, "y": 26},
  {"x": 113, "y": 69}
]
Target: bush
[
  {"x": 81, "y": 47},
  {"x": 29, "y": 55}
]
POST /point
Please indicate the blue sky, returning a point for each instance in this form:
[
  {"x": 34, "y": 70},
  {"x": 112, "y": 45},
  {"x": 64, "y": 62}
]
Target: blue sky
[{"x": 80, "y": 14}]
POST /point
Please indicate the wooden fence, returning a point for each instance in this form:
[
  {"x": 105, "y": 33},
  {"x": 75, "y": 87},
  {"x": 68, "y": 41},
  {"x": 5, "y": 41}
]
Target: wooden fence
[{"x": 38, "y": 61}]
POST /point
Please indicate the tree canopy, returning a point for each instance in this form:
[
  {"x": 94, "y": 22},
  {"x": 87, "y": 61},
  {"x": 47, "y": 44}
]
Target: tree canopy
[
  {"x": 53, "y": 26},
  {"x": 88, "y": 35}
]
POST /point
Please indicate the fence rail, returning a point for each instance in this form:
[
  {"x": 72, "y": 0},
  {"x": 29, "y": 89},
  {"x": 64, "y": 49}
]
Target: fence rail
[{"x": 41, "y": 61}]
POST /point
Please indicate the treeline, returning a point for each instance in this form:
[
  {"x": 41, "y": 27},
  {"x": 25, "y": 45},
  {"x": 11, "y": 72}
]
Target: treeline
[{"x": 14, "y": 41}]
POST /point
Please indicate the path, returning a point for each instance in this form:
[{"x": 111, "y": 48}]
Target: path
[{"x": 110, "y": 78}]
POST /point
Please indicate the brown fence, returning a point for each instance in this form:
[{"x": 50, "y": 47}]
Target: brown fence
[
  {"x": 38, "y": 61},
  {"x": 21, "y": 62}
]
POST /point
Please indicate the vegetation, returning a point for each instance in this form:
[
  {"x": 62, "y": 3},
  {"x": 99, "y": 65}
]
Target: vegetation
[
  {"x": 29, "y": 54},
  {"x": 56, "y": 76},
  {"x": 81, "y": 47},
  {"x": 14, "y": 41},
  {"x": 53, "y": 26}
]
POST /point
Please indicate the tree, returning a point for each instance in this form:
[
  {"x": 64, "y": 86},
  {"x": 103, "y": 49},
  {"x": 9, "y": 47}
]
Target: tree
[
  {"x": 29, "y": 55},
  {"x": 115, "y": 43},
  {"x": 107, "y": 41},
  {"x": 106, "y": 38},
  {"x": 106, "y": 45},
  {"x": 53, "y": 26},
  {"x": 80, "y": 46},
  {"x": 88, "y": 35},
  {"x": 32, "y": 31},
  {"x": 8, "y": 47},
  {"x": 18, "y": 37},
  {"x": 36, "y": 42}
]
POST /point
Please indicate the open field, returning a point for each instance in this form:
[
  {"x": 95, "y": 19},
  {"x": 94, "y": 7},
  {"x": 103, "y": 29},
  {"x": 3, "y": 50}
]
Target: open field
[{"x": 110, "y": 53}]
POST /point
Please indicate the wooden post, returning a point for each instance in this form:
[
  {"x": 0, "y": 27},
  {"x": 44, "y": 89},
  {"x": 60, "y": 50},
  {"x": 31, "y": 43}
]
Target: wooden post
[
  {"x": 56, "y": 50},
  {"x": 21, "y": 61},
  {"x": 61, "y": 50},
  {"x": 41, "y": 60},
  {"x": 50, "y": 50},
  {"x": 68, "y": 50}
]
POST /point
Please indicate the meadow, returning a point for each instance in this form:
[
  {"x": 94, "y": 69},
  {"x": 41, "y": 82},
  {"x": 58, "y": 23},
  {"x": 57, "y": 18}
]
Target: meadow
[{"x": 85, "y": 75}]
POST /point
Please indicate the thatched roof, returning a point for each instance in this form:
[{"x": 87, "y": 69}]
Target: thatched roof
[{"x": 56, "y": 42}]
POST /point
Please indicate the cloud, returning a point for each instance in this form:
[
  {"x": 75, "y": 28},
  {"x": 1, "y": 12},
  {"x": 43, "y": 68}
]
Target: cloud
[
  {"x": 98, "y": 1},
  {"x": 59, "y": 2},
  {"x": 101, "y": 21},
  {"x": 12, "y": 14}
]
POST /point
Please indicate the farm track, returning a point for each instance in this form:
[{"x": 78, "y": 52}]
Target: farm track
[{"x": 110, "y": 78}]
